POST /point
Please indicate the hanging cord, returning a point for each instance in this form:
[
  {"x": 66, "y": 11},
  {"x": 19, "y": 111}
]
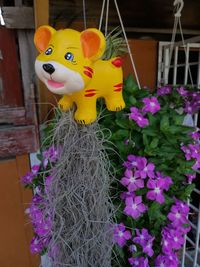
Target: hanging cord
[
  {"x": 129, "y": 50},
  {"x": 173, "y": 39},
  {"x": 102, "y": 13},
  {"x": 84, "y": 15},
  {"x": 107, "y": 13},
  {"x": 185, "y": 50},
  {"x": 177, "y": 22}
]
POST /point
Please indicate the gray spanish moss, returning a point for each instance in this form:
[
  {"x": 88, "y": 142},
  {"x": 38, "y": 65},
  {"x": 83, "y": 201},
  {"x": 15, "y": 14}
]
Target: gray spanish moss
[{"x": 79, "y": 197}]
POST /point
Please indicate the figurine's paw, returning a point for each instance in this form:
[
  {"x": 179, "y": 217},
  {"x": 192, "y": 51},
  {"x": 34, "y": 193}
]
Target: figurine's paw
[
  {"x": 84, "y": 118},
  {"x": 115, "y": 106},
  {"x": 64, "y": 104}
]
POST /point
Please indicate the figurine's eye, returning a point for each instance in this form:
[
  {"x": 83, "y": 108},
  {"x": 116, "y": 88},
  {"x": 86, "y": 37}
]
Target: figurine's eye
[
  {"x": 69, "y": 56},
  {"x": 49, "y": 51}
]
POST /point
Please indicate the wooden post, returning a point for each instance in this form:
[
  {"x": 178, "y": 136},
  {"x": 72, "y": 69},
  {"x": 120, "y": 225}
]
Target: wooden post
[{"x": 41, "y": 10}]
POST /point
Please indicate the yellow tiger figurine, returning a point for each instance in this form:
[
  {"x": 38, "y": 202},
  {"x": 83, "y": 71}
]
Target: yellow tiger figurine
[{"x": 69, "y": 64}]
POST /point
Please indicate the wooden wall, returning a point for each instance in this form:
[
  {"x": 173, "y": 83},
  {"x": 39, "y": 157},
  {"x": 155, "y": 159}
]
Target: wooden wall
[
  {"x": 15, "y": 227},
  {"x": 144, "y": 54}
]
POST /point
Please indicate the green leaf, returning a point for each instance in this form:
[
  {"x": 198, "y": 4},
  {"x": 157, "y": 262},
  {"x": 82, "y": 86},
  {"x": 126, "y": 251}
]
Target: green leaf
[
  {"x": 145, "y": 140},
  {"x": 120, "y": 134},
  {"x": 154, "y": 142},
  {"x": 154, "y": 211},
  {"x": 187, "y": 191},
  {"x": 164, "y": 123},
  {"x": 132, "y": 100},
  {"x": 122, "y": 123},
  {"x": 149, "y": 131},
  {"x": 130, "y": 84}
]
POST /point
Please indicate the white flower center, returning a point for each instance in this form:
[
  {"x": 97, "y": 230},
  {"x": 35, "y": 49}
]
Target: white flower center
[
  {"x": 145, "y": 169},
  {"x": 178, "y": 215},
  {"x": 162, "y": 264},
  {"x": 165, "y": 242},
  {"x": 134, "y": 206},
  {"x": 157, "y": 190},
  {"x": 132, "y": 179},
  {"x": 175, "y": 239},
  {"x": 152, "y": 104},
  {"x": 120, "y": 233}
]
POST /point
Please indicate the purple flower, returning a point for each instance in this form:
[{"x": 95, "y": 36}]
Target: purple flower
[
  {"x": 27, "y": 179},
  {"x": 148, "y": 248},
  {"x": 43, "y": 227},
  {"x": 36, "y": 245},
  {"x": 131, "y": 180},
  {"x": 195, "y": 151},
  {"x": 35, "y": 169},
  {"x": 134, "y": 207},
  {"x": 183, "y": 206},
  {"x": 139, "y": 119},
  {"x": 196, "y": 166},
  {"x": 187, "y": 151},
  {"x": 142, "y": 238},
  {"x": 191, "y": 177},
  {"x": 172, "y": 239},
  {"x": 195, "y": 135},
  {"x": 189, "y": 107},
  {"x": 160, "y": 261},
  {"x": 167, "y": 181},
  {"x": 145, "y": 240},
  {"x": 165, "y": 90},
  {"x": 182, "y": 91},
  {"x": 134, "y": 110},
  {"x": 176, "y": 216},
  {"x": 124, "y": 195},
  {"x": 156, "y": 193},
  {"x": 151, "y": 105},
  {"x": 52, "y": 154},
  {"x": 166, "y": 261},
  {"x": 138, "y": 262},
  {"x": 145, "y": 169},
  {"x": 121, "y": 235},
  {"x": 133, "y": 161}
]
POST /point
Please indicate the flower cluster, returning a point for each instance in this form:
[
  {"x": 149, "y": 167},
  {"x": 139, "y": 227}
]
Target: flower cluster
[
  {"x": 149, "y": 105},
  {"x": 173, "y": 234},
  {"x": 138, "y": 171},
  {"x": 140, "y": 174},
  {"x": 162, "y": 152},
  {"x": 40, "y": 179}
]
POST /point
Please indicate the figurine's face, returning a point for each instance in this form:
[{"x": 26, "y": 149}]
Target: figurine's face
[
  {"x": 60, "y": 66},
  {"x": 63, "y": 64}
]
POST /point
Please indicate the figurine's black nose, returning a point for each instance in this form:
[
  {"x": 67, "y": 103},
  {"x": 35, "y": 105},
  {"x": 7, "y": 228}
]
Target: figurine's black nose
[{"x": 48, "y": 68}]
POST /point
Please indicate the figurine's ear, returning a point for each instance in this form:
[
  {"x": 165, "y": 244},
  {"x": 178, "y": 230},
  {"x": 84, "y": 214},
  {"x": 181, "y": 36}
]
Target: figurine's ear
[
  {"x": 93, "y": 43},
  {"x": 42, "y": 37}
]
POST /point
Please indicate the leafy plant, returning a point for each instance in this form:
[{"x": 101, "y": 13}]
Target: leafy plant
[{"x": 156, "y": 160}]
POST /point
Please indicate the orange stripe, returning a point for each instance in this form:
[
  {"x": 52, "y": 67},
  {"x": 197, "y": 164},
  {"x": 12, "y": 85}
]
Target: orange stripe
[
  {"x": 88, "y": 68},
  {"x": 90, "y": 90},
  {"x": 89, "y": 95},
  {"x": 119, "y": 84},
  {"x": 118, "y": 90},
  {"x": 87, "y": 73}
]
